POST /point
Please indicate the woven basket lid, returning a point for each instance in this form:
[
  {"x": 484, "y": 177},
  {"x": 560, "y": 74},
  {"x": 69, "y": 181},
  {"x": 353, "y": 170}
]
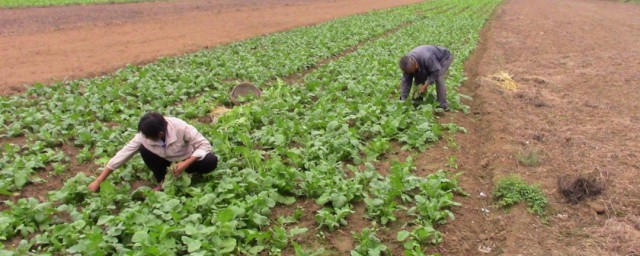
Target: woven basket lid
[{"x": 244, "y": 89}]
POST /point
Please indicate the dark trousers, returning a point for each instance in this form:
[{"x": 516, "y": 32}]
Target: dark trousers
[
  {"x": 159, "y": 165},
  {"x": 441, "y": 88}
]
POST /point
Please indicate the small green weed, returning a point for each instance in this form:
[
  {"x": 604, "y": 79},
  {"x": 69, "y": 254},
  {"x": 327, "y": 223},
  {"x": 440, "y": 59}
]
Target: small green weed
[
  {"x": 301, "y": 251},
  {"x": 512, "y": 189},
  {"x": 453, "y": 162},
  {"x": 529, "y": 157},
  {"x": 452, "y": 143}
]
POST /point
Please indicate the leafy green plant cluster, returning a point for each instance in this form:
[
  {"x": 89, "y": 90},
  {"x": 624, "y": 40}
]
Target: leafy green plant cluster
[
  {"x": 19, "y": 163},
  {"x": 333, "y": 217},
  {"x": 74, "y": 190},
  {"x": 298, "y": 141},
  {"x": 432, "y": 195},
  {"x": 369, "y": 244},
  {"x": 414, "y": 239},
  {"x": 24, "y": 217},
  {"x": 512, "y": 189}
]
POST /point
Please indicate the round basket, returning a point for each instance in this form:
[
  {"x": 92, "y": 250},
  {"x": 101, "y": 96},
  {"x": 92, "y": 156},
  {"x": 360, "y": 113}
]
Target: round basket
[{"x": 243, "y": 91}]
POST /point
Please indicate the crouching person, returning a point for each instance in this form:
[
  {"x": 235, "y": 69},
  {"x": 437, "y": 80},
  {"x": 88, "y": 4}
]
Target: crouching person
[{"x": 162, "y": 141}]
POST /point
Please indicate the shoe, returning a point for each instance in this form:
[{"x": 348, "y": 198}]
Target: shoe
[{"x": 445, "y": 108}]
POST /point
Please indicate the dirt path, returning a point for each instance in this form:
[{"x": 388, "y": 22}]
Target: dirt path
[
  {"x": 58, "y": 43},
  {"x": 576, "y": 64}
]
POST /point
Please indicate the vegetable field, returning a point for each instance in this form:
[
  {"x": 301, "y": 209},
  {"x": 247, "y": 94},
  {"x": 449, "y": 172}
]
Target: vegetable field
[{"x": 308, "y": 149}]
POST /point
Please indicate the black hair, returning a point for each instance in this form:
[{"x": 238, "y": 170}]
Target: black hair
[
  {"x": 151, "y": 124},
  {"x": 406, "y": 63}
]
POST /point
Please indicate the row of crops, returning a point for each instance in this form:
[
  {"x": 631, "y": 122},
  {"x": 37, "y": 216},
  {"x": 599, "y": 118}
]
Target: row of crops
[
  {"x": 93, "y": 114},
  {"x": 317, "y": 138}
]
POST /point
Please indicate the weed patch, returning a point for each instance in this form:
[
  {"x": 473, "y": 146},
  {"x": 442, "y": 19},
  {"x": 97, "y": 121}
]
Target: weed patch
[
  {"x": 512, "y": 190},
  {"x": 529, "y": 157}
]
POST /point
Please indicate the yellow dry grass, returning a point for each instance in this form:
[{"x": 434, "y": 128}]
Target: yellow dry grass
[
  {"x": 501, "y": 79},
  {"x": 217, "y": 112},
  {"x": 504, "y": 80}
]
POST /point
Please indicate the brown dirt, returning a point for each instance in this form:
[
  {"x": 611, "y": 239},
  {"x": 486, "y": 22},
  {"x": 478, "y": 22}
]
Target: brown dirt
[
  {"x": 576, "y": 66},
  {"x": 61, "y": 43}
]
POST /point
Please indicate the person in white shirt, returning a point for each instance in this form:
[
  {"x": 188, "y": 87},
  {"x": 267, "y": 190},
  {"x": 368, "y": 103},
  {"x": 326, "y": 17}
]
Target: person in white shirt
[{"x": 161, "y": 141}]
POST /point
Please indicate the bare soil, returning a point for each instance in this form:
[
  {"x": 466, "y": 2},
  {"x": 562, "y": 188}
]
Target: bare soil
[
  {"x": 62, "y": 43},
  {"x": 575, "y": 64}
]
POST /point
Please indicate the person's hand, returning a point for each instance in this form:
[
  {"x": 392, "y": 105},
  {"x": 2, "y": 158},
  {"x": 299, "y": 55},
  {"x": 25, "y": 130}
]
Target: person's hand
[
  {"x": 94, "y": 186},
  {"x": 423, "y": 88},
  {"x": 158, "y": 188},
  {"x": 180, "y": 167}
]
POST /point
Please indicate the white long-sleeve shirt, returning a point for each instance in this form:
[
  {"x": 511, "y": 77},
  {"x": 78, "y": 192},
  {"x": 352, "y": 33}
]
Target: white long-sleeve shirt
[{"x": 181, "y": 142}]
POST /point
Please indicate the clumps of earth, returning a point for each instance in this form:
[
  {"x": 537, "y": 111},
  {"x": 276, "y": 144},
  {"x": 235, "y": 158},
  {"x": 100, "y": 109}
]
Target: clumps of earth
[{"x": 580, "y": 187}]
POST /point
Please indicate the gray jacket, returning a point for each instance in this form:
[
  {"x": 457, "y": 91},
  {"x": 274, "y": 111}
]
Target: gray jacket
[{"x": 430, "y": 61}]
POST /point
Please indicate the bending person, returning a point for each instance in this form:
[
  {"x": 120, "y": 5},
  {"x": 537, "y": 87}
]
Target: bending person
[
  {"x": 162, "y": 141},
  {"x": 423, "y": 66}
]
